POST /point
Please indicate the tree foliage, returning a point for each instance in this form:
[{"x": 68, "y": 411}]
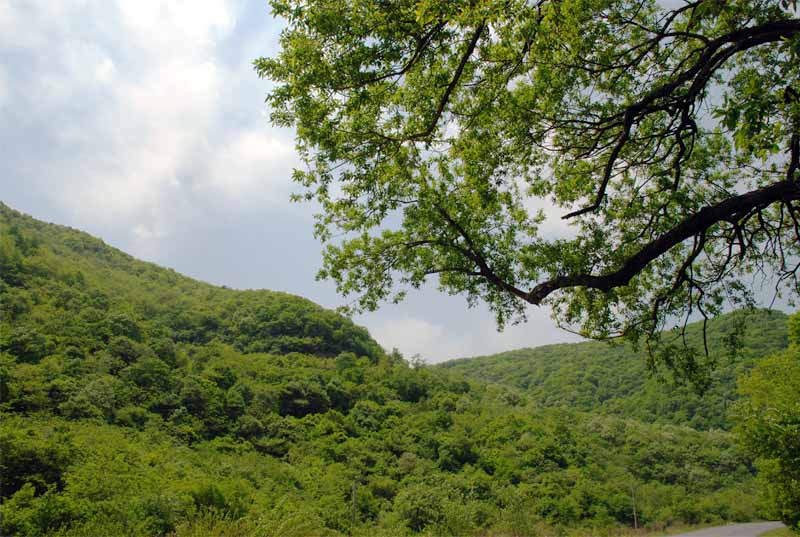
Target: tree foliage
[
  {"x": 769, "y": 423},
  {"x": 667, "y": 134}
]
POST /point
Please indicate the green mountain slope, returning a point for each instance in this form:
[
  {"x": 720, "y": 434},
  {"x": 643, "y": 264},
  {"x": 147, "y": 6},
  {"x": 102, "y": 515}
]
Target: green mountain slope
[
  {"x": 135, "y": 401},
  {"x": 65, "y": 284},
  {"x": 599, "y": 377}
]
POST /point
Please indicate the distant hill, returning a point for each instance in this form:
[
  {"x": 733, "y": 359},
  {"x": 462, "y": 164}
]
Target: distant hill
[
  {"x": 135, "y": 401},
  {"x": 615, "y": 379}
]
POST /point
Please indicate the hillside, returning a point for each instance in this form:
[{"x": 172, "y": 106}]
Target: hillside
[
  {"x": 135, "y": 401},
  {"x": 615, "y": 380},
  {"x": 70, "y": 289}
]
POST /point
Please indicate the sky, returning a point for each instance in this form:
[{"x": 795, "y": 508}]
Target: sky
[{"x": 143, "y": 123}]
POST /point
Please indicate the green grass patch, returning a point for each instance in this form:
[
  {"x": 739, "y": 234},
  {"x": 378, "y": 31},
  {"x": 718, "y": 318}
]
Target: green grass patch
[{"x": 779, "y": 532}]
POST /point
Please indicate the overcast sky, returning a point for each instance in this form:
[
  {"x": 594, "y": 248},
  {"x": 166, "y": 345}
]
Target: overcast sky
[{"x": 143, "y": 123}]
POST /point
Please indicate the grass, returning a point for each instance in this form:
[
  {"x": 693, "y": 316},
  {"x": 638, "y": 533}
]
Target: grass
[{"x": 779, "y": 532}]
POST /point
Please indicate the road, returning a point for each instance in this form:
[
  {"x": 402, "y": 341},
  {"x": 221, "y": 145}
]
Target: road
[{"x": 734, "y": 530}]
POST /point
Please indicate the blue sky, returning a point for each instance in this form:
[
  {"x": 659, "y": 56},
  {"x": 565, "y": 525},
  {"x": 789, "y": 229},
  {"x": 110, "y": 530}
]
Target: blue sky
[{"x": 143, "y": 123}]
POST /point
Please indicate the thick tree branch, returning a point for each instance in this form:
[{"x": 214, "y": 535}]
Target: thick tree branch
[
  {"x": 712, "y": 57},
  {"x": 693, "y": 225},
  {"x": 794, "y": 158},
  {"x": 624, "y": 108},
  {"x": 476, "y": 256}
]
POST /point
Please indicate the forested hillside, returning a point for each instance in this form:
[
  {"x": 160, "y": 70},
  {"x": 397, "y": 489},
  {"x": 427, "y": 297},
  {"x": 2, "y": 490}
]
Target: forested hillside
[
  {"x": 65, "y": 288},
  {"x": 615, "y": 379},
  {"x": 139, "y": 402}
]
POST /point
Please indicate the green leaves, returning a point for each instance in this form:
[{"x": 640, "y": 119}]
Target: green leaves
[{"x": 631, "y": 117}]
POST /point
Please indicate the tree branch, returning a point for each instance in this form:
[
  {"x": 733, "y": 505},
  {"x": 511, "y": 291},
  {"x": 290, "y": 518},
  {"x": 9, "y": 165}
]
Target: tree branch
[
  {"x": 476, "y": 256},
  {"x": 712, "y": 57},
  {"x": 691, "y": 226},
  {"x": 450, "y": 88},
  {"x": 422, "y": 45}
]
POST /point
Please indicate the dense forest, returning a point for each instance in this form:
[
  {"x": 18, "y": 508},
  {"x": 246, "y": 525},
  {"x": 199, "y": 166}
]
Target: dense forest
[
  {"x": 616, "y": 380},
  {"x": 139, "y": 402}
]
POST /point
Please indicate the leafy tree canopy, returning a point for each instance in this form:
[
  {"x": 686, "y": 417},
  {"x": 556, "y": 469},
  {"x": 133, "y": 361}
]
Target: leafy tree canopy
[{"x": 668, "y": 134}]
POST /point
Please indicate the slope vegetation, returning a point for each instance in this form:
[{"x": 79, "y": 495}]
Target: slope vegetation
[
  {"x": 615, "y": 379},
  {"x": 138, "y": 402}
]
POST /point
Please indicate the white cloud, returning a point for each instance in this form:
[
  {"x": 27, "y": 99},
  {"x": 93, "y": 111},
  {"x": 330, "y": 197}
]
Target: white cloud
[
  {"x": 469, "y": 332},
  {"x": 142, "y": 122},
  {"x": 26, "y": 24},
  {"x": 413, "y": 336},
  {"x": 151, "y": 231},
  {"x": 134, "y": 103},
  {"x": 254, "y": 166},
  {"x": 177, "y": 25},
  {"x": 104, "y": 71},
  {"x": 554, "y": 226}
]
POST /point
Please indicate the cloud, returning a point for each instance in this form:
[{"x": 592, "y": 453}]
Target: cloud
[
  {"x": 129, "y": 124},
  {"x": 413, "y": 337},
  {"x": 142, "y": 122},
  {"x": 185, "y": 26},
  {"x": 3, "y": 87},
  {"x": 456, "y": 331},
  {"x": 554, "y": 226},
  {"x": 253, "y": 167},
  {"x": 152, "y": 231}
]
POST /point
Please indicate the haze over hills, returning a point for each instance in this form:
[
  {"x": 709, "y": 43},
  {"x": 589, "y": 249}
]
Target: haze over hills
[
  {"x": 615, "y": 380},
  {"x": 136, "y": 401}
]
